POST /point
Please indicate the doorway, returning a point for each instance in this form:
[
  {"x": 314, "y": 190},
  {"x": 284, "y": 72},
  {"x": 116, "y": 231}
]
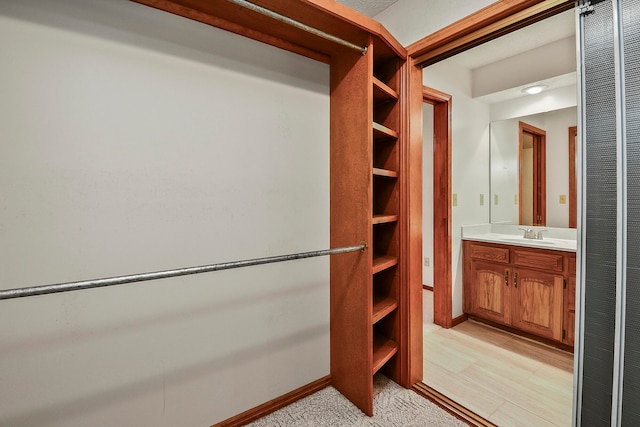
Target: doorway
[
  {"x": 532, "y": 182},
  {"x": 462, "y": 361},
  {"x": 442, "y": 303}
]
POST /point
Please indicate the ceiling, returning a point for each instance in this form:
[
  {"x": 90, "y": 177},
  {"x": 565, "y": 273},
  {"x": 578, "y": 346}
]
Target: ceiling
[
  {"x": 368, "y": 7},
  {"x": 537, "y": 35},
  {"x": 549, "y": 30}
]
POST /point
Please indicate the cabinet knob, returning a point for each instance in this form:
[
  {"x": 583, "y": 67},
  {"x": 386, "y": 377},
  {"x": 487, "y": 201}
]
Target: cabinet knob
[
  {"x": 515, "y": 279},
  {"x": 506, "y": 278}
]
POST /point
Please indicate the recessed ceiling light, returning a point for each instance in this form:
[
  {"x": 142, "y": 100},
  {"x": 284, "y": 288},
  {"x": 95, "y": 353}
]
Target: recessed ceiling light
[{"x": 532, "y": 90}]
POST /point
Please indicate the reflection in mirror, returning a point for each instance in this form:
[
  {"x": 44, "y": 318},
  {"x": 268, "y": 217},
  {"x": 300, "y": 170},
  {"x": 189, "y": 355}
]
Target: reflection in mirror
[
  {"x": 507, "y": 167},
  {"x": 532, "y": 182}
]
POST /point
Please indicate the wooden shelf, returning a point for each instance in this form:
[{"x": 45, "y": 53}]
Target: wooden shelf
[
  {"x": 383, "y": 306},
  {"x": 383, "y": 350},
  {"x": 385, "y": 172},
  {"x": 383, "y": 262},
  {"x": 382, "y": 92},
  {"x": 382, "y": 132},
  {"x": 383, "y": 219}
]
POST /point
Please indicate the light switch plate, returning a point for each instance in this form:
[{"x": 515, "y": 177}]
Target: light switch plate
[
  {"x": 481, "y": 199},
  {"x": 563, "y": 199},
  {"x": 454, "y": 199}
]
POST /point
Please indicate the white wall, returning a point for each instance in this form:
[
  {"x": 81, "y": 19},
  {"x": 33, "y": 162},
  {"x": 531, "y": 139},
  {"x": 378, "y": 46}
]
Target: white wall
[
  {"x": 504, "y": 171},
  {"x": 557, "y": 127},
  {"x": 133, "y": 141},
  {"x": 470, "y": 159}
]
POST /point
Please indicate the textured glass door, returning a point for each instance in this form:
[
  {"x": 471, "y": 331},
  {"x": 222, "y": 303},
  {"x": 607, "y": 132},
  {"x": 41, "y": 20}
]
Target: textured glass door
[{"x": 608, "y": 376}]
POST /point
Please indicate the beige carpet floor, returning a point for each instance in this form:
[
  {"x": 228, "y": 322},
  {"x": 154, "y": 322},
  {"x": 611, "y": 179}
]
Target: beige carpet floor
[{"x": 394, "y": 406}]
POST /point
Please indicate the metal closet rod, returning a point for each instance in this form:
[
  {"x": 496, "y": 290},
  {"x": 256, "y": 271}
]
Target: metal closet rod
[
  {"x": 142, "y": 277},
  {"x": 298, "y": 24}
]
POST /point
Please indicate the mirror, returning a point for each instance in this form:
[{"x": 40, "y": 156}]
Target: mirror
[{"x": 513, "y": 201}]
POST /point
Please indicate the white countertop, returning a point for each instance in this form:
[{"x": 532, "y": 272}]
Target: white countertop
[{"x": 559, "y": 239}]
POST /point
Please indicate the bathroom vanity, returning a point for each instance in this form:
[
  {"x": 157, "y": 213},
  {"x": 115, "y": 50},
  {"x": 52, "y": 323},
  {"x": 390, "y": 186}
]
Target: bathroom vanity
[{"x": 527, "y": 285}]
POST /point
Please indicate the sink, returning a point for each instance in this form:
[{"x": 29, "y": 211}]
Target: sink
[
  {"x": 553, "y": 239},
  {"x": 529, "y": 241}
]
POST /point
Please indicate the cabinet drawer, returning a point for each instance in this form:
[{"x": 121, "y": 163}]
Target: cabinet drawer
[
  {"x": 538, "y": 259},
  {"x": 489, "y": 253}
]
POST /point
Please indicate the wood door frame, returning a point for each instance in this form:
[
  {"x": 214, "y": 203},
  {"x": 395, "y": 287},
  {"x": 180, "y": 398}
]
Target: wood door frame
[
  {"x": 573, "y": 184},
  {"x": 539, "y": 172},
  {"x": 442, "y": 285}
]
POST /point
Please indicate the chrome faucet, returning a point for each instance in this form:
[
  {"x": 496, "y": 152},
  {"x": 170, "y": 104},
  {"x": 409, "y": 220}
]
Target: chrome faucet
[{"x": 530, "y": 233}]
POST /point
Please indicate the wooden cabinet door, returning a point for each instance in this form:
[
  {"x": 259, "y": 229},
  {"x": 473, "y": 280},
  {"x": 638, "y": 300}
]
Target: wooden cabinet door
[
  {"x": 488, "y": 291},
  {"x": 537, "y": 305}
]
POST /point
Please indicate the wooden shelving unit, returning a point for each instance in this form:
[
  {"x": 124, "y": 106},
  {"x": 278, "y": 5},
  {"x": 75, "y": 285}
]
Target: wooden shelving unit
[
  {"x": 386, "y": 201},
  {"x": 366, "y": 296}
]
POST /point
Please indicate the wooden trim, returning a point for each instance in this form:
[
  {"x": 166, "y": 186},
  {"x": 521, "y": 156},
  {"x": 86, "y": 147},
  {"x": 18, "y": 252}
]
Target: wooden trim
[
  {"x": 427, "y": 288},
  {"x": 442, "y": 303},
  {"x": 451, "y": 406},
  {"x": 275, "y": 404},
  {"x": 541, "y": 179},
  {"x": 411, "y": 225},
  {"x": 573, "y": 186},
  {"x": 238, "y": 27},
  {"x": 433, "y": 96},
  {"x": 493, "y": 21},
  {"x": 456, "y": 321},
  {"x": 520, "y": 149},
  {"x": 359, "y": 20},
  {"x": 325, "y": 15}
]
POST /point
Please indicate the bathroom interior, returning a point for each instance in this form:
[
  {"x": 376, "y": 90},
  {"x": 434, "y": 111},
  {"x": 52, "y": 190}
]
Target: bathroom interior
[{"x": 494, "y": 361}]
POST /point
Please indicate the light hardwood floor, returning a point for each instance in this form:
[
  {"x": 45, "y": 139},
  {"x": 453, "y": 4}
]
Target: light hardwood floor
[{"x": 507, "y": 379}]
